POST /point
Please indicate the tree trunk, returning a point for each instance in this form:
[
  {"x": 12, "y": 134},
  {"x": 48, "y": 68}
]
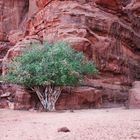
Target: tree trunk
[
  {"x": 41, "y": 98},
  {"x": 49, "y": 97},
  {"x": 51, "y": 106}
]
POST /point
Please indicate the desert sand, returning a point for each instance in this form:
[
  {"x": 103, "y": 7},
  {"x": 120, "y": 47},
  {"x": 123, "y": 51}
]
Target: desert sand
[{"x": 102, "y": 124}]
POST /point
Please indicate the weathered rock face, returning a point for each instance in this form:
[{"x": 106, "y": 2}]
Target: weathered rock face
[
  {"x": 107, "y": 31},
  {"x": 134, "y": 96},
  {"x": 17, "y": 97},
  {"x": 16, "y": 50},
  {"x": 81, "y": 97},
  {"x": 14, "y": 97},
  {"x": 12, "y": 13},
  {"x": 4, "y": 47}
]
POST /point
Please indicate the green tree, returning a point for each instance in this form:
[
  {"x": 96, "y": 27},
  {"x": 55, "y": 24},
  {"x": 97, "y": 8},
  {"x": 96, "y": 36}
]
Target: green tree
[{"x": 47, "y": 68}]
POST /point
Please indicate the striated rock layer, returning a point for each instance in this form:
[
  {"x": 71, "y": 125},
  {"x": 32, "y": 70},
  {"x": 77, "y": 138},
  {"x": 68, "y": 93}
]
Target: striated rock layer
[{"x": 107, "y": 31}]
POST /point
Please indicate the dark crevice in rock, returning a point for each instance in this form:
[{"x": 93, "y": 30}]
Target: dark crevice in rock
[
  {"x": 24, "y": 10},
  {"x": 125, "y": 2}
]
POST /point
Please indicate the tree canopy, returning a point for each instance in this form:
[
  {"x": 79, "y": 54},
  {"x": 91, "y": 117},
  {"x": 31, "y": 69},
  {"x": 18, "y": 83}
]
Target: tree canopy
[{"x": 47, "y": 64}]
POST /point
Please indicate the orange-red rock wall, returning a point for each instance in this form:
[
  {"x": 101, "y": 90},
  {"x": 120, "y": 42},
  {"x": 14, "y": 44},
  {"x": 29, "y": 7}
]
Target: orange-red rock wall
[{"x": 107, "y": 31}]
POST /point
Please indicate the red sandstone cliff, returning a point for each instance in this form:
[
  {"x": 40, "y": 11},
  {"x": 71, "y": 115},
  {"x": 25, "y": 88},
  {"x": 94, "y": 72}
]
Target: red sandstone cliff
[{"x": 107, "y": 31}]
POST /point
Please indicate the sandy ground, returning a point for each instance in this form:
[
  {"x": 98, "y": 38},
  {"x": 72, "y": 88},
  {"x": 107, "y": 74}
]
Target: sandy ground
[{"x": 104, "y": 124}]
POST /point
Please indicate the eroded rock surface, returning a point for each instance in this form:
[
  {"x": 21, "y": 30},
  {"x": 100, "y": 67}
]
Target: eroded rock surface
[
  {"x": 14, "y": 97},
  {"x": 107, "y": 31},
  {"x": 134, "y": 96},
  {"x": 103, "y": 95}
]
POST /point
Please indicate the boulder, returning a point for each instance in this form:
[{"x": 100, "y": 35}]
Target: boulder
[{"x": 63, "y": 129}]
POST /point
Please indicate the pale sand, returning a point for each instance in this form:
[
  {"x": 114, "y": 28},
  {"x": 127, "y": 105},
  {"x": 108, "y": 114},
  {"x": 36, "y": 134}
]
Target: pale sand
[{"x": 104, "y": 124}]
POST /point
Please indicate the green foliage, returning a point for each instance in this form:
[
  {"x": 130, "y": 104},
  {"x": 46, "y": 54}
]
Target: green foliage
[
  {"x": 56, "y": 64},
  {"x": 1, "y": 78}
]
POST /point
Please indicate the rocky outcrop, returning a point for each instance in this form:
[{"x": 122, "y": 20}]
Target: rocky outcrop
[
  {"x": 134, "y": 96},
  {"x": 17, "y": 97},
  {"x": 81, "y": 97},
  {"x": 16, "y": 50},
  {"x": 12, "y": 13},
  {"x": 107, "y": 31},
  {"x": 4, "y": 47},
  {"x": 14, "y": 97}
]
